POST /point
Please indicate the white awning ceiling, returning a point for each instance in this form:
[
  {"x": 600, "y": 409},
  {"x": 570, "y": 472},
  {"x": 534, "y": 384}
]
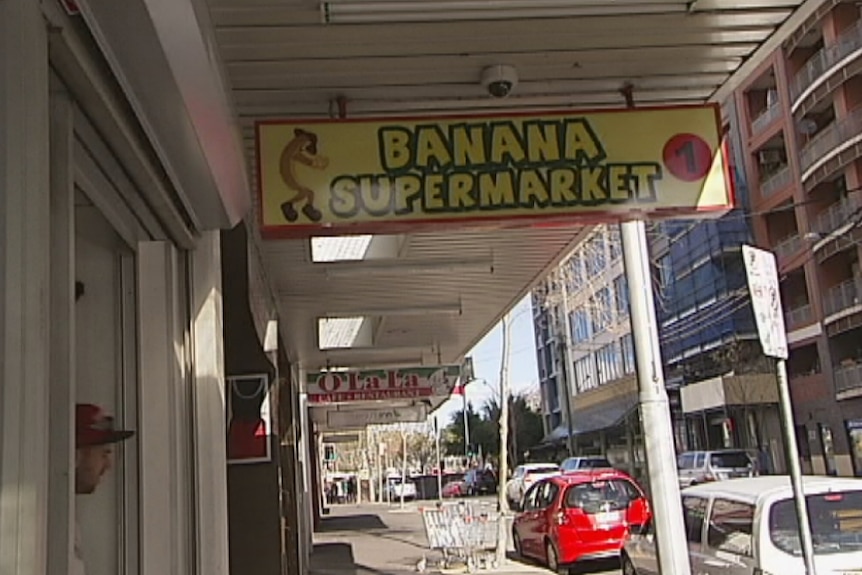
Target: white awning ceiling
[{"x": 279, "y": 59}]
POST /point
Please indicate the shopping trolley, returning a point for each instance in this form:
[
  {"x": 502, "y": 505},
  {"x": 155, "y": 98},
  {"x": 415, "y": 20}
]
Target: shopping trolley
[{"x": 465, "y": 532}]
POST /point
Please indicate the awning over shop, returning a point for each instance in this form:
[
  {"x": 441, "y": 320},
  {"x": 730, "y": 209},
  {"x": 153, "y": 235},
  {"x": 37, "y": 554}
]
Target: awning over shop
[{"x": 597, "y": 417}]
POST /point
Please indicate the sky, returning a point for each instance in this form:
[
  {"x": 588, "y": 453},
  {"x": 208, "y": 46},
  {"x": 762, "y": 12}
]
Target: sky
[{"x": 487, "y": 355}]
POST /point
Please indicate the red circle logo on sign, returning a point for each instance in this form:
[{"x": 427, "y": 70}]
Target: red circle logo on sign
[{"x": 688, "y": 157}]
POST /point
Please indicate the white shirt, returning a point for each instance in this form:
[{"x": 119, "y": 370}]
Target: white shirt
[{"x": 76, "y": 562}]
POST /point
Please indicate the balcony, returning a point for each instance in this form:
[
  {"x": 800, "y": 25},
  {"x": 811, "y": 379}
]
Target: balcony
[
  {"x": 820, "y": 147},
  {"x": 836, "y": 216},
  {"x": 843, "y": 296},
  {"x": 848, "y": 378},
  {"x": 847, "y": 44},
  {"x": 775, "y": 182},
  {"x": 788, "y": 247},
  {"x": 766, "y": 117},
  {"x": 799, "y": 317}
]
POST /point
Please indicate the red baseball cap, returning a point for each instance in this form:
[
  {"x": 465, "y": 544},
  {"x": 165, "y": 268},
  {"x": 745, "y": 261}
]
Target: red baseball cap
[{"x": 94, "y": 427}]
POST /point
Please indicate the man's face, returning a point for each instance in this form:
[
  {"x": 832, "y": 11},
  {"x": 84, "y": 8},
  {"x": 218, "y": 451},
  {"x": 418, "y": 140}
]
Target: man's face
[{"x": 91, "y": 463}]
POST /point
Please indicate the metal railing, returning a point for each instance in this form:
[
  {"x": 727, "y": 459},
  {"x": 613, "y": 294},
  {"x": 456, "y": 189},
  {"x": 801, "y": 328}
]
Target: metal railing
[
  {"x": 788, "y": 246},
  {"x": 775, "y": 182},
  {"x": 848, "y": 378},
  {"x": 766, "y": 117},
  {"x": 836, "y": 216},
  {"x": 830, "y": 138},
  {"x": 848, "y": 42},
  {"x": 799, "y": 316},
  {"x": 843, "y": 296}
]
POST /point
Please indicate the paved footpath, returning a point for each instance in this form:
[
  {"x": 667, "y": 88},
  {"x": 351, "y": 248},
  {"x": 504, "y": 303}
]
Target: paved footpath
[{"x": 378, "y": 539}]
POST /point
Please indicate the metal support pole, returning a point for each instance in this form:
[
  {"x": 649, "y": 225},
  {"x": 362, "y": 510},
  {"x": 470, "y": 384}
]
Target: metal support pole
[
  {"x": 403, "y": 467},
  {"x": 792, "y": 454},
  {"x": 466, "y": 424},
  {"x": 568, "y": 367},
  {"x": 502, "y": 531},
  {"x": 439, "y": 461},
  {"x": 654, "y": 406}
]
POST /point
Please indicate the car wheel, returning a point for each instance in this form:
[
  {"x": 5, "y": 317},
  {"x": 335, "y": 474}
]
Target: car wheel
[
  {"x": 553, "y": 558},
  {"x": 628, "y": 568}
]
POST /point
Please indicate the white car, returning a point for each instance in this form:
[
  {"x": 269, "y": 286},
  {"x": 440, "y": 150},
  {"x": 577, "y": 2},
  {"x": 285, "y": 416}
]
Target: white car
[
  {"x": 749, "y": 525},
  {"x": 524, "y": 477},
  {"x": 395, "y": 488}
]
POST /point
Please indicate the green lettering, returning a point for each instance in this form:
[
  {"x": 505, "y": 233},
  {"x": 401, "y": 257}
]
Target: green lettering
[
  {"x": 431, "y": 148},
  {"x": 582, "y": 146},
  {"x": 533, "y": 191},
  {"x": 342, "y": 197},
  {"x": 468, "y": 146},
  {"x": 619, "y": 183},
  {"x": 434, "y": 201},
  {"x": 505, "y": 144},
  {"x": 592, "y": 190},
  {"x": 460, "y": 191},
  {"x": 542, "y": 143},
  {"x": 394, "y": 145},
  {"x": 645, "y": 176},
  {"x": 562, "y": 183},
  {"x": 496, "y": 190},
  {"x": 407, "y": 188}
]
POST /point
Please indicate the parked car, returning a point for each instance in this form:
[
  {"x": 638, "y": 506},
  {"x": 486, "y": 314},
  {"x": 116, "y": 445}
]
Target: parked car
[
  {"x": 579, "y": 516},
  {"x": 580, "y": 463},
  {"x": 524, "y": 477},
  {"x": 480, "y": 482},
  {"x": 455, "y": 488},
  {"x": 694, "y": 467},
  {"x": 395, "y": 488},
  {"x": 749, "y": 525}
]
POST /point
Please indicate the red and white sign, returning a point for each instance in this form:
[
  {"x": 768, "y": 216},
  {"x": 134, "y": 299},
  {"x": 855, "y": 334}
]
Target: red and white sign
[{"x": 371, "y": 385}]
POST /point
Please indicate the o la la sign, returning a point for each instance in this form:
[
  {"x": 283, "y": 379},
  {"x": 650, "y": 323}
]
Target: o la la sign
[{"x": 370, "y": 385}]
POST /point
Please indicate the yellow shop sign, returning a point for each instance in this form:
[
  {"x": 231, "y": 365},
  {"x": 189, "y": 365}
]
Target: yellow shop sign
[{"x": 389, "y": 175}]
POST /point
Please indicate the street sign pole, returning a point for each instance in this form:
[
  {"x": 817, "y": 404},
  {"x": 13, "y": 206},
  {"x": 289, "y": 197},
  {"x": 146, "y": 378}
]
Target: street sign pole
[{"x": 762, "y": 272}]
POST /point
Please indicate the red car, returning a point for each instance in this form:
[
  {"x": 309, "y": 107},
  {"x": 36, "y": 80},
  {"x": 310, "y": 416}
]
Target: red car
[
  {"x": 579, "y": 516},
  {"x": 455, "y": 487}
]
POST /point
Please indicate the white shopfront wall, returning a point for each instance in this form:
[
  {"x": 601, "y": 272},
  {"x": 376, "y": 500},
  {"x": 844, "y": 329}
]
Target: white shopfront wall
[{"x": 111, "y": 293}]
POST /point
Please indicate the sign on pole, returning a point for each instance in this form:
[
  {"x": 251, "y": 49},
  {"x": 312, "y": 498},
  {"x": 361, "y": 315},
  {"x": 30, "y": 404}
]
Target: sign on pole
[{"x": 762, "y": 272}]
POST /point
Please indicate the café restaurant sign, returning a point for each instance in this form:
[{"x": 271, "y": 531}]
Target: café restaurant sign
[
  {"x": 381, "y": 384},
  {"x": 386, "y": 175}
]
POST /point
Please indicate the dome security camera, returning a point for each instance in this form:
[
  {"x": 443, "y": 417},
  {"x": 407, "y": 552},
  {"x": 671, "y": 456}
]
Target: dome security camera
[{"x": 499, "y": 80}]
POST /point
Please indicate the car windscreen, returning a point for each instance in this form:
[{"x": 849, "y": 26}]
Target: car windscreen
[
  {"x": 836, "y": 523},
  {"x": 729, "y": 460},
  {"x": 597, "y": 463},
  {"x": 537, "y": 470},
  {"x": 599, "y": 496}
]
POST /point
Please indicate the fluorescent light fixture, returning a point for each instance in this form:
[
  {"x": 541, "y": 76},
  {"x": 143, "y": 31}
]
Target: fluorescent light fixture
[
  {"x": 362, "y": 12},
  {"x": 401, "y": 266},
  {"x": 439, "y": 309},
  {"x": 348, "y": 364}
]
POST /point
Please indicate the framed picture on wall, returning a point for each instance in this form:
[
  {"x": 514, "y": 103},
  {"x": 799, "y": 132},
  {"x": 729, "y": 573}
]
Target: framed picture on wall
[{"x": 249, "y": 419}]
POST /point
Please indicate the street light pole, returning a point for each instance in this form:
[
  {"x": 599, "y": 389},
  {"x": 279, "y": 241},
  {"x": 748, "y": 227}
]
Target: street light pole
[{"x": 568, "y": 367}]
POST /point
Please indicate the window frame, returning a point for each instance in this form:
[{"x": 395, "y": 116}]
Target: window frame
[{"x": 710, "y": 522}]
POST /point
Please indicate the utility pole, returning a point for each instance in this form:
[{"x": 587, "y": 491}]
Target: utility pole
[
  {"x": 654, "y": 405},
  {"x": 466, "y": 424},
  {"x": 568, "y": 367},
  {"x": 403, "y": 466},
  {"x": 502, "y": 531}
]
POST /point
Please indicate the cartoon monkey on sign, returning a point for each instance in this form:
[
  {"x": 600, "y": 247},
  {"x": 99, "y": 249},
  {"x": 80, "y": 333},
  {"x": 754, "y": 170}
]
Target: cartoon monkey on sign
[{"x": 302, "y": 149}]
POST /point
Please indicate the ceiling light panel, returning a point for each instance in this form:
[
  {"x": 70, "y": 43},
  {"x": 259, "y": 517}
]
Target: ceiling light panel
[{"x": 360, "y": 11}]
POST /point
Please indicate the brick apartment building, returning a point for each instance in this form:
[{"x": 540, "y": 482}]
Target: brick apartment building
[{"x": 801, "y": 119}]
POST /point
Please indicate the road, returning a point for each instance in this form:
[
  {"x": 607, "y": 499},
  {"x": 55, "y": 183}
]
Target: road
[{"x": 381, "y": 539}]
